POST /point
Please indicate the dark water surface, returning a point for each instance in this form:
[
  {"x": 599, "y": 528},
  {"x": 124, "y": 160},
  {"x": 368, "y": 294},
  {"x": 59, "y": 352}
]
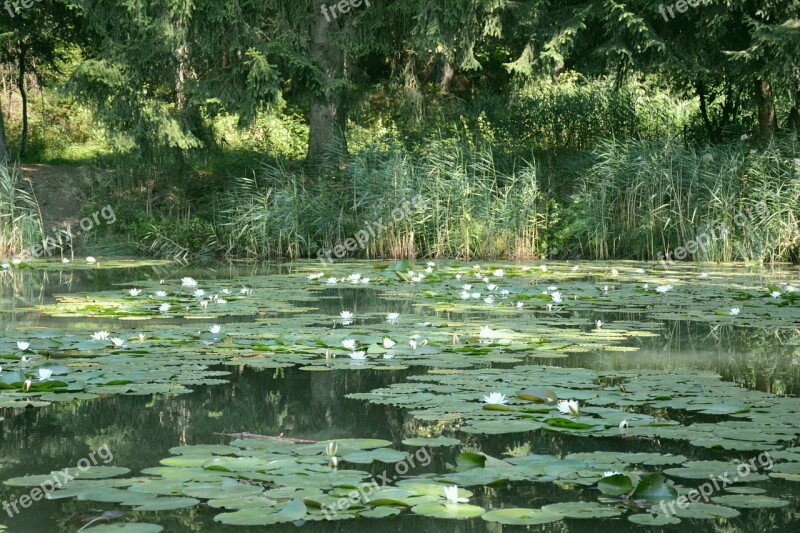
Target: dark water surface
[{"x": 140, "y": 430}]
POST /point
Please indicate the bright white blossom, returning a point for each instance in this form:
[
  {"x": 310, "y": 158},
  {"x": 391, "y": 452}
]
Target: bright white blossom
[
  {"x": 734, "y": 311},
  {"x": 23, "y": 345},
  {"x": 100, "y": 335},
  {"x": 495, "y": 398},
  {"x": 568, "y": 407},
  {"x": 188, "y": 282},
  {"x": 214, "y": 328},
  {"x": 388, "y": 343},
  {"x": 451, "y": 493},
  {"x": 44, "y": 374},
  {"x": 349, "y": 344}
]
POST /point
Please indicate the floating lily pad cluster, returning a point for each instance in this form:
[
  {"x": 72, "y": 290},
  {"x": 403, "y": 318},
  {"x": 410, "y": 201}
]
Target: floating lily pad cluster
[{"x": 643, "y": 404}]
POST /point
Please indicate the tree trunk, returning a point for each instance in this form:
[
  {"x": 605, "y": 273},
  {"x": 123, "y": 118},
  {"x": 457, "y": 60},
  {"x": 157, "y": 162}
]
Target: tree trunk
[
  {"x": 23, "y": 142},
  {"x": 767, "y": 121},
  {"x": 3, "y": 143},
  {"x": 328, "y": 112}
]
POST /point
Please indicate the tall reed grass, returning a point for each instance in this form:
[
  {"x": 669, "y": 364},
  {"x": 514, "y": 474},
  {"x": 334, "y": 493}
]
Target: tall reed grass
[
  {"x": 642, "y": 198},
  {"x": 20, "y": 220},
  {"x": 475, "y": 207}
]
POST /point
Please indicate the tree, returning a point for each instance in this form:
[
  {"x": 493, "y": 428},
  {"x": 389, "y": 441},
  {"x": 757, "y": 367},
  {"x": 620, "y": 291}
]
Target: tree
[{"x": 34, "y": 41}]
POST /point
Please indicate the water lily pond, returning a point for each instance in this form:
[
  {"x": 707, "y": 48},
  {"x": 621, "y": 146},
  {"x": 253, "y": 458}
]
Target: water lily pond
[{"x": 148, "y": 396}]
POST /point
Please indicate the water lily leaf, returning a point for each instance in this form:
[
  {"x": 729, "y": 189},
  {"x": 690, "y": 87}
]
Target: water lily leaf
[
  {"x": 130, "y": 527},
  {"x": 654, "y": 520},
  {"x": 431, "y": 442},
  {"x": 255, "y": 516},
  {"x": 749, "y": 501},
  {"x": 538, "y": 395},
  {"x": 522, "y": 517},
  {"x": 448, "y": 510},
  {"x": 167, "y": 504},
  {"x": 654, "y": 488},
  {"x": 616, "y": 485},
  {"x": 583, "y": 510}
]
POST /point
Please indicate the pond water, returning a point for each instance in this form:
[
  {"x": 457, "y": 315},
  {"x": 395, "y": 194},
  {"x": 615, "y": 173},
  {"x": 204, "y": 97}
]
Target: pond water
[{"x": 700, "y": 388}]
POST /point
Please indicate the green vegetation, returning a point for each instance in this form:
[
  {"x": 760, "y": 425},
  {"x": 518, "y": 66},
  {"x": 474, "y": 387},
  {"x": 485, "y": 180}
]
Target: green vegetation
[{"x": 532, "y": 129}]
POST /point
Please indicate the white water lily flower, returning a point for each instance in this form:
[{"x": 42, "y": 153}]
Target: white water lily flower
[
  {"x": 664, "y": 288},
  {"x": 413, "y": 344},
  {"x": 486, "y": 332},
  {"x": 485, "y": 279},
  {"x": 568, "y": 407},
  {"x": 346, "y": 315},
  {"x": 204, "y": 304},
  {"x": 91, "y": 260},
  {"x": 703, "y": 275},
  {"x": 609, "y": 473},
  {"x": 100, "y": 335},
  {"x": 354, "y": 277},
  {"x": 429, "y": 270},
  {"x": 388, "y": 355},
  {"x": 520, "y": 305},
  {"x": 142, "y": 337},
  {"x": 475, "y": 295},
  {"x": 431, "y": 264},
  {"x": 552, "y": 288},
  {"x": 467, "y": 287},
  {"x": 316, "y": 275},
  {"x": 605, "y": 288},
  {"x": 491, "y": 286},
  {"x": 221, "y": 301},
  {"x": 543, "y": 268},
  {"x": 556, "y": 297},
  {"x": 16, "y": 261},
  {"x": 117, "y": 342},
  {"x": 214, "y": 328},
  {"x": 349, "y": 344},
  {"x": 495, "y": 398},
  {"x": 734, "y": 311},
  {"x": 476, "y": 267},
  {"x": 614, "y": 272},
  {"x": 388, "y": 343},
  {"x": 451, "y": 493},
  {"x": 775, "y": 294},
  {"x": 161, "y": 294},
  {"x": 458, "y": 276},
  {"x": 44, "y": 374},
  {"x": 23, "y": 345},
  {"x": 359, "y": 355},
  {"x": 24, "y": 360},
  {"x": 646, "y": 286},
  {"x": 464, "y": 295},
  {"x": 417, "y": 279},
  {"x": 499, "y": 273},
  {"x": 331, "y": 281},
  {"x": 331, "y": 448},
  {"x": 489, "y": 300},
  {"x": 188, "y": 282},
  {"x": 505, "y": 292},
  {"x": 27, "y": 385},
  {"x": 164, "y": 307},
  {"x": 134, "y": 292},
  {"x": 199, "y": 293},
  {"x": 574, "y": 268},
  {"x": 392, "y": 317},
  {"x": 623, "y": 424},
  {"x": 599, "y": 324},
  {"x": 364, "y": 281},
  {"x": 640, "y": 271}
]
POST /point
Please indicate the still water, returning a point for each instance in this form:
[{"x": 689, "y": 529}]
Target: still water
[{"x": 141, "y": 429}]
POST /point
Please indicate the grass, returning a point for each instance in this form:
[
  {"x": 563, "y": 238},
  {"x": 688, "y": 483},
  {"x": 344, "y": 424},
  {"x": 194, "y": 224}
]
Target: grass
[
  {"x": 20, "y": 220},
  {"x": 645, "y": 198}
]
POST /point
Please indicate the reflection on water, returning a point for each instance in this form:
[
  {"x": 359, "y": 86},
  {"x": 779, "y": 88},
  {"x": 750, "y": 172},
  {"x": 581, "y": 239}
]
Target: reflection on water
[{"x": 140, "y": 430}]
